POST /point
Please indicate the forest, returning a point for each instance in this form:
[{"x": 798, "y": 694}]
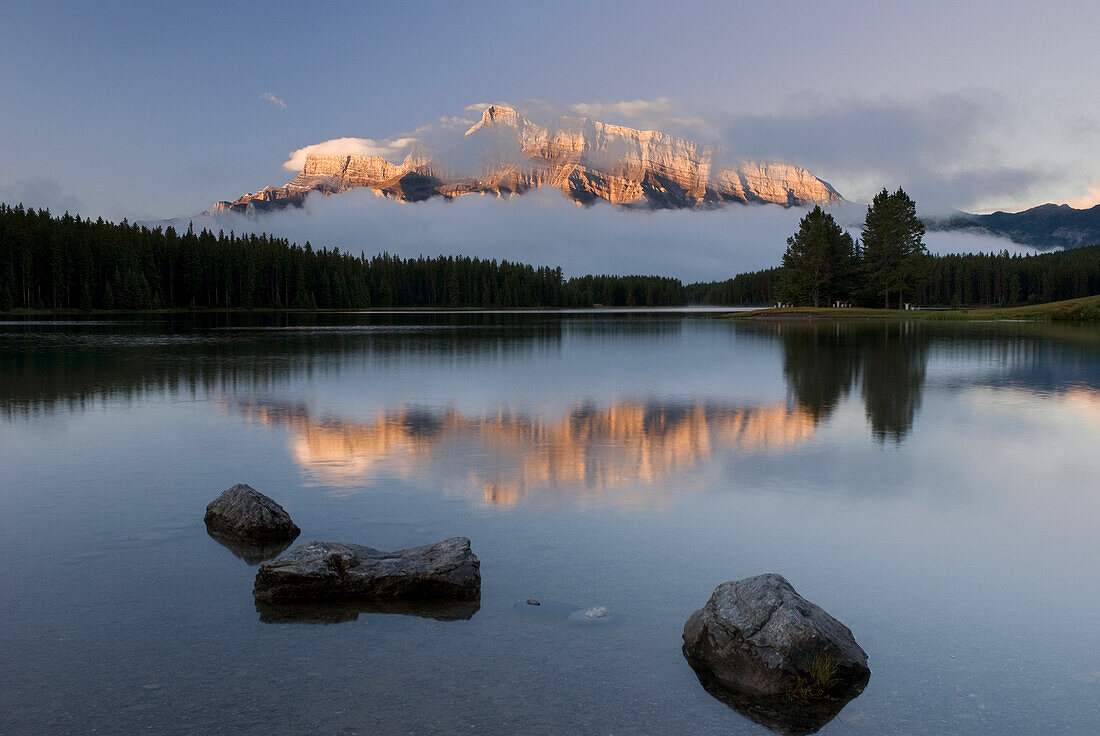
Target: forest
[
  {"x": 66, "y": 262},
  {"x": 994, "y": 279}
]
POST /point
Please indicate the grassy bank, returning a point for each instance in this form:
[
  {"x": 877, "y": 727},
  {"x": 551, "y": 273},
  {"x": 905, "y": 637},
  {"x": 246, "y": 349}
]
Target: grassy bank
[{"x": 1085, "y": 309}]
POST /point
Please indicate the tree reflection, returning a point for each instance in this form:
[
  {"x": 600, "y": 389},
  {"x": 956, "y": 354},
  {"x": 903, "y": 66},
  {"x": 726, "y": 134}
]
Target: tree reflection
[
  {"x": 823, "y": 362},
  {"x": 895, "y": 360},
  {"x": 819, "y": 365}
]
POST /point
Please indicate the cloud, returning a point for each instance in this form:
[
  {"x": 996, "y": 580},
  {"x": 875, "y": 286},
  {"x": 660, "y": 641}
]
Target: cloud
[
  {"x": 454, "y": 121},
  {"x": 388, "y": 149},
  {"x": 660, "y": 113},
  {"x": 1088, "y": 200},
  {"x": 544, "y": 228},
  {"x": 625, "y": 109},
  {"x": 947, "y": 150},
  {"x": 270, "y": 97},
  {"x": 40, "y": 193},
  {"x": 962, "y": 241}
]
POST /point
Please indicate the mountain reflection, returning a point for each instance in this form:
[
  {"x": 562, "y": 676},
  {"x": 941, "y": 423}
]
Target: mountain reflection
[
  {"x": 511, "y": 455},
  {"x": 69, "y": 367}
]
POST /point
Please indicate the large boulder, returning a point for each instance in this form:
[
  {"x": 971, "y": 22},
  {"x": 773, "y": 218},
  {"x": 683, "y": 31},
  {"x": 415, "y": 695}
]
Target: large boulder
[
  {"x": 758, "y": 638},
  {"x": 324, "y": 571},
  {"x": 243, "y": 515}
]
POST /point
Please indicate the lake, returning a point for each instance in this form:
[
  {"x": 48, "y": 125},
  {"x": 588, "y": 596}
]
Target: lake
[{"x": 934, "y": 486}]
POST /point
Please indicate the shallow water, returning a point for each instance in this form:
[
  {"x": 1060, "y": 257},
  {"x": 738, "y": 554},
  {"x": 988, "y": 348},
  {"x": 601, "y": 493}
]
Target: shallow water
[{"x": 935, "y": 487}]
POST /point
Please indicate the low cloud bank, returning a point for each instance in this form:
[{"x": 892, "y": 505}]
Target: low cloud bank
[
  {"x": 41, "y": 193},
  {"x": 544, "y": 228},
  {"x": 961, "y": 241}
]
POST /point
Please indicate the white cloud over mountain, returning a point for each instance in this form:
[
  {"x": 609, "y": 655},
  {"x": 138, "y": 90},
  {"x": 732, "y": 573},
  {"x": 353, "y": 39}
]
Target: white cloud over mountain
[{"x": 393, "y": 150}]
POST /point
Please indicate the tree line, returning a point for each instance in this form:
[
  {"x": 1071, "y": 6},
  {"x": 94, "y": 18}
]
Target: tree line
[
  {"x": 66, "y": 262},
  {"x": 957, "y": 280}
]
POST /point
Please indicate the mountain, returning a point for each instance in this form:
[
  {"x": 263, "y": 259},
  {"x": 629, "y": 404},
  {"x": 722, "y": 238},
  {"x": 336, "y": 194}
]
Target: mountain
[
  {"x": 1045, "y": 227},
  {"x": 505, "y": 154}
]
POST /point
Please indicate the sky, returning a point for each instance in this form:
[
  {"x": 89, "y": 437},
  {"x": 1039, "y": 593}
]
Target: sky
[{"x": 155, "y": 110}]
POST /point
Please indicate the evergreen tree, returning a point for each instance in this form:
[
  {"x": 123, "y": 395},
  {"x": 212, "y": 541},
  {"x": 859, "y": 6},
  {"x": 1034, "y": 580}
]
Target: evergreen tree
[
  {"x": 819, "y": 264},
  {"x": 893, "y": 244}
]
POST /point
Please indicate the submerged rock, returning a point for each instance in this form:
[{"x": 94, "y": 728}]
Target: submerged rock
[
  {"x": 334, "y": 613},
  {"x": 324, "y": 571},
  {"x": 598, "y": 614},
  {"x": 247, "y": 516},
  {"x": 773, "y": 655},
  {"x": 544, "y": 609},
  {"x": 784, "y": 714},
  {"x": 253, "y": 554}
]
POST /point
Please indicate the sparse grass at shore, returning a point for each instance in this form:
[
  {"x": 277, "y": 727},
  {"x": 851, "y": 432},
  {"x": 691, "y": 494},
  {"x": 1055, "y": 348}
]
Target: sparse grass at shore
[{"x": 1085, "y": 309}]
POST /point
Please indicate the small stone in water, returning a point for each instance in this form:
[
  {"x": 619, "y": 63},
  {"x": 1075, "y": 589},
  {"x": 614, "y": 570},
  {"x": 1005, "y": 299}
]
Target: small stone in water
[{"x": 597, "y": 612}]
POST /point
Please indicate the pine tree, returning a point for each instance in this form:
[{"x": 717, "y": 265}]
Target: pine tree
[
  {"x": 819, "y": 264},
  {"x": 892, "y": 244}
]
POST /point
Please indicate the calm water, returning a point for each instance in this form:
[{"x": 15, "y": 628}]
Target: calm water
[{"x": 935, "y": 487}]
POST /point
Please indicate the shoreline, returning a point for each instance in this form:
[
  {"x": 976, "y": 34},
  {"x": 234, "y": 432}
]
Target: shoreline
[
  {"x": 1085, "y": 309},
  {"x": 690, "y": 309}
]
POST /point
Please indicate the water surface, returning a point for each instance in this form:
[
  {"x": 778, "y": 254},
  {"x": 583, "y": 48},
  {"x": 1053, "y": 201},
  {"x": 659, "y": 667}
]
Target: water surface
[{"x": 935, "y": 487}]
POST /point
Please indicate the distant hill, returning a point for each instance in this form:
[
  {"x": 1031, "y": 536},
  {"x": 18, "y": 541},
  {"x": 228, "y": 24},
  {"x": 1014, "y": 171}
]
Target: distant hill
[{"x": 1045, "y": 227}]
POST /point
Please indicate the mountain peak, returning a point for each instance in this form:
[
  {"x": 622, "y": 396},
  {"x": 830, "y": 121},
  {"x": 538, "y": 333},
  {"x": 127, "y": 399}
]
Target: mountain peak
[
  {"x": 588, "y": 162},
  {"x": 495, "y": 115}
]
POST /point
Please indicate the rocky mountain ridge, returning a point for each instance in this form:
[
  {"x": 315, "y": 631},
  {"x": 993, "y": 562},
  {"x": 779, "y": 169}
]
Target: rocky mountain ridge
[
  {"x": 1044, "y": 227},
  {"x": 506, "y": 154}
]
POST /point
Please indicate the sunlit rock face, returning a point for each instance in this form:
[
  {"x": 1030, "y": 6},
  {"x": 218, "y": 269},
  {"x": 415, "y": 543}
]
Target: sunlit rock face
[
  {"x": 510, "y": 457},
  {"x": 506, "y": 154}
]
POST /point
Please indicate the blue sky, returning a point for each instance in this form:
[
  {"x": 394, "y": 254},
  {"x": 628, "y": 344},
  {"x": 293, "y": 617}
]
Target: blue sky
[{"x": 150, "y": 110}]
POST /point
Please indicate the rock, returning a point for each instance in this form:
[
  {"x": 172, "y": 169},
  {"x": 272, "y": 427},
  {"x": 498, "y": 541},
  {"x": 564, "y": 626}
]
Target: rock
[
  {"x": 596, "y": 614},
  {"x": 761, "y": 648},
  {"x": 323, "y": 571},
  {"x": 244, "y": 514},
  {"x": 584, "y": 158},
  {"x": 758, "y": 637},
  {"x": 545, "y": 610}
]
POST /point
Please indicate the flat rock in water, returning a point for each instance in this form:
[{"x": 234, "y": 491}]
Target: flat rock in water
[
  {"x": 596, "y": 614},
  {"x": 762, "y": 648},
  {"x": 244, "y": 514},
  {"x": 325, "y": 571}
]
